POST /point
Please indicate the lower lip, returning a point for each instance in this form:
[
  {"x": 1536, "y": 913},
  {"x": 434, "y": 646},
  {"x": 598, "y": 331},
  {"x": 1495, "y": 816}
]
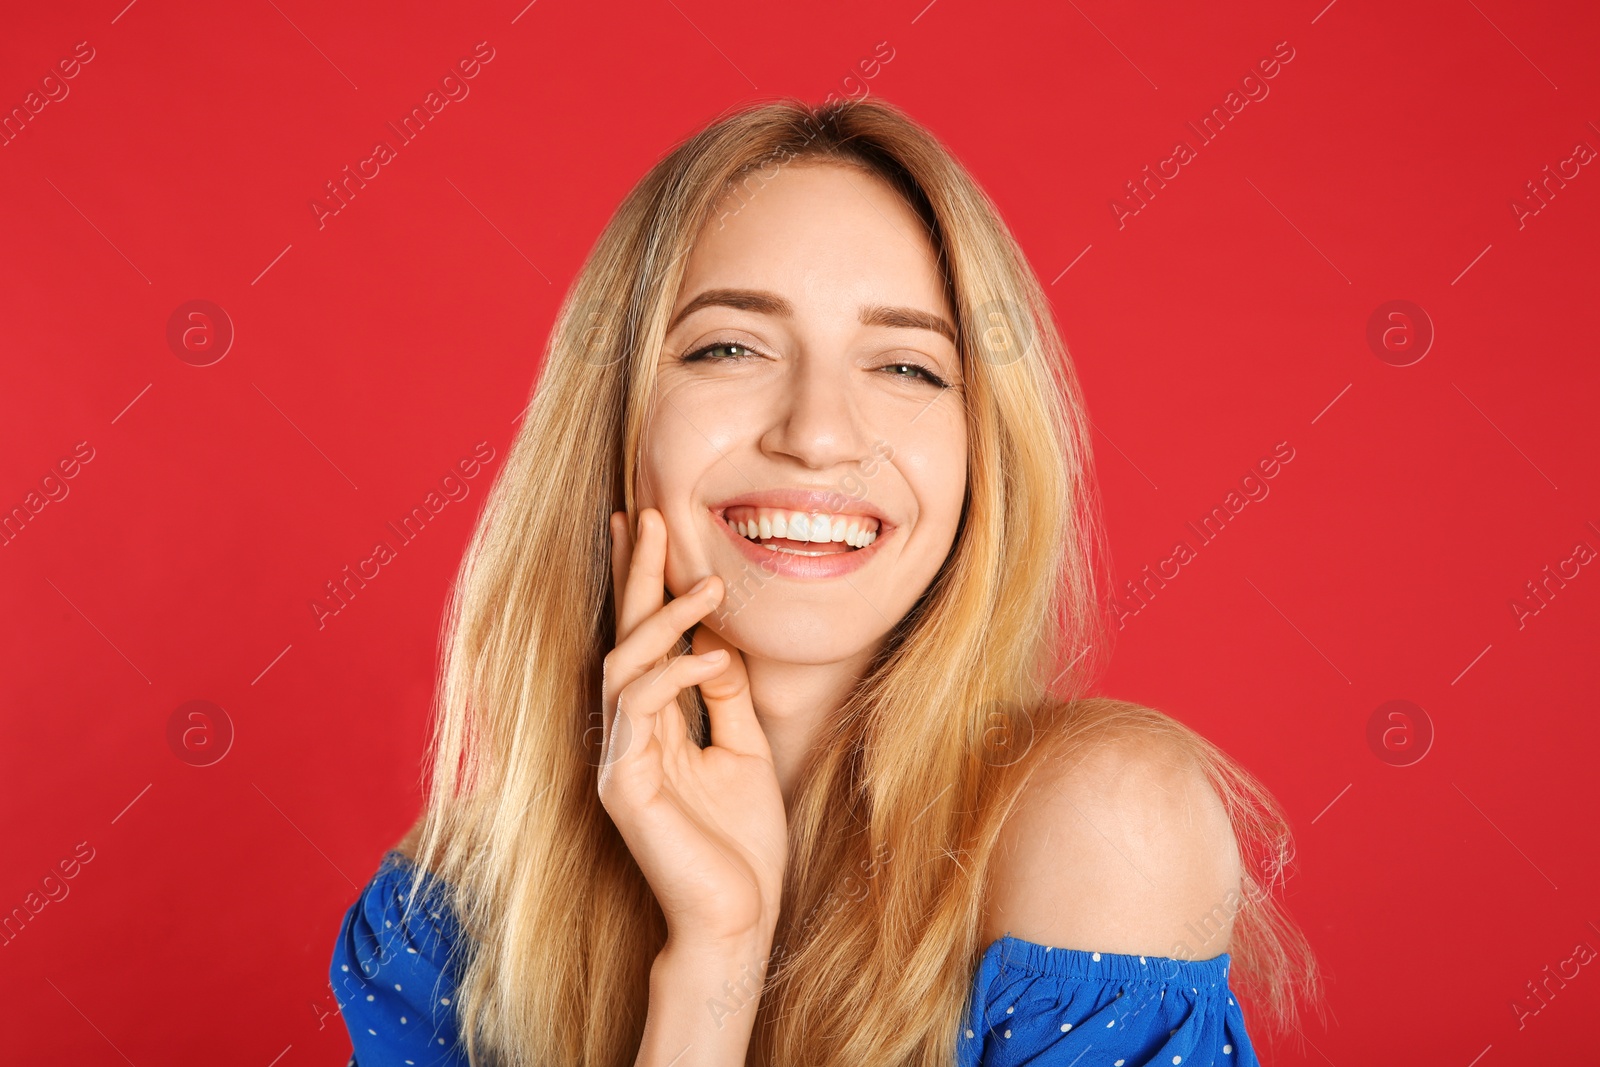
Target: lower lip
[{"x": 792, "y": 565}]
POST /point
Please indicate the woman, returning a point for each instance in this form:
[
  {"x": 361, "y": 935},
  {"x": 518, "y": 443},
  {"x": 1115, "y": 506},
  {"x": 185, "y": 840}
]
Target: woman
[{"x": 806, "y": 400}]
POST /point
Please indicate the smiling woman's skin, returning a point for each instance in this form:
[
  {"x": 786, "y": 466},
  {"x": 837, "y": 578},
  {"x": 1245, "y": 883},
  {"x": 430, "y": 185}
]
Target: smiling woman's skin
[{"x": 810, "y": 397}]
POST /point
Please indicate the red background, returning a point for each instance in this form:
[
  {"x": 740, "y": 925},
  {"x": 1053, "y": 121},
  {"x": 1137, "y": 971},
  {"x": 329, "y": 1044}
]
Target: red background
[{"x": 372, "y": 354}]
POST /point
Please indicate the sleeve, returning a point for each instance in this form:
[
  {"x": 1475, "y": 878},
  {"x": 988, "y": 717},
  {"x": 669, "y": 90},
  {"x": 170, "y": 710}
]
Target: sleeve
[
  {"x": 1040, "y": 1006},
  {"x": 392, "y": 974}
]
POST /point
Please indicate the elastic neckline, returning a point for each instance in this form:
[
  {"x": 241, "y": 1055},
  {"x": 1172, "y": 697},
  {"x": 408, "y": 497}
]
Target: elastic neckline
[{"x": 1014, "y": 952}]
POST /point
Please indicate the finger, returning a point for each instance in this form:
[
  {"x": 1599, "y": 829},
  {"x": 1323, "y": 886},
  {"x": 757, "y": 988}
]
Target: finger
[
  {"x": 644, "y": 700},
  {"x": 671, "y": 731},
  {"x": 672, "y": 728},
  {"x": 621, "y": 551},
  {"x": 656, "y": 639},
  {"x": 656, "y": 635},
  {"x": 644, "y": 590},
  {"x": 734, "y": 725}
]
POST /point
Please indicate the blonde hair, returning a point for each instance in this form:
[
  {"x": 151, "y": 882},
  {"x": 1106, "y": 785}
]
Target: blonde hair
[{"x": 981, "y": 684}]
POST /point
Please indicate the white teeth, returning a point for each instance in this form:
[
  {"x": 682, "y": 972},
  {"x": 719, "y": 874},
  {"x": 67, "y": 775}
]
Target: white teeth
[{"x": 821, "y": 528}]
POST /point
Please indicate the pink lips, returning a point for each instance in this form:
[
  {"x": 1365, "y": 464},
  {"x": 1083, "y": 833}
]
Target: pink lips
[{"x": 791, "y": 565}]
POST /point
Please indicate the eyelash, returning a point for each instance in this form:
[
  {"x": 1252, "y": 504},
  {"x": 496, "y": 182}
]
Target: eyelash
[{"x": 702, "y": 353}]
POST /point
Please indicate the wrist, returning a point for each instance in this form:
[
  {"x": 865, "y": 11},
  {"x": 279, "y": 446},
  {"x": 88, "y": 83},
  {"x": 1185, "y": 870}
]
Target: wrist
[
  {"x": 703, "y": 997},
  {"x": 687, "y": 952}
]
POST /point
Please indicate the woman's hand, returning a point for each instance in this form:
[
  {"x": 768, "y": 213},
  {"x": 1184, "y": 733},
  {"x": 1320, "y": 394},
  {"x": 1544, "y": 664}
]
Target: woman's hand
[{"x": 706, "y": 826}]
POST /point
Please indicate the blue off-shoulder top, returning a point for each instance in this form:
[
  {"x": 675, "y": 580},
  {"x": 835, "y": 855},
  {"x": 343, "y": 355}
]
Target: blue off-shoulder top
[{"x": 1034, "y": 1005}]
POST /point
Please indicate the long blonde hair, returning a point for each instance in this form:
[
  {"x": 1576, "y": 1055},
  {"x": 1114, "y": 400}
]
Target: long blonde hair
[{"x": 898, "y": 810}]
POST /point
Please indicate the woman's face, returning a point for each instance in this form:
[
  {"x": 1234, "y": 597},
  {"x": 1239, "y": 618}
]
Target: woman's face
[{"x": 807, "y": 439}]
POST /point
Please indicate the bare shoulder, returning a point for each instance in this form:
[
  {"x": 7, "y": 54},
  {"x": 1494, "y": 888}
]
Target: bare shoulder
[{"x": 1123, "y": 847}]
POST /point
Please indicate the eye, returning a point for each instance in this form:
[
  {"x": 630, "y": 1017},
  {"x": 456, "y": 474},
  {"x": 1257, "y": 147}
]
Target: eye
[
  {"x": 735, "y": 352},
  {"x": 914, "y": 372}
]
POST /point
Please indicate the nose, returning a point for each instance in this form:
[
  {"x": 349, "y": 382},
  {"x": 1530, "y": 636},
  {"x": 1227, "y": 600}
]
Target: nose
[{"x": 818, "y": 421}]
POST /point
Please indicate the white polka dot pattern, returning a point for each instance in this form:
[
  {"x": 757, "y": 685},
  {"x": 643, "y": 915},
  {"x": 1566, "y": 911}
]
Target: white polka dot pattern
[
  {"x": 1032, "y": 1004},
  {"x": 396, "y": 1004},
  {"x": 1046, "y": 1006}
]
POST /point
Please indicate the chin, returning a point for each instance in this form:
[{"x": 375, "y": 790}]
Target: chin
[{"x": 786, "y": 632}]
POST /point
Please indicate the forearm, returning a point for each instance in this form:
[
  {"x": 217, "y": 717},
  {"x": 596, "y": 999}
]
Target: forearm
[{"x": 703, "y": 1004}]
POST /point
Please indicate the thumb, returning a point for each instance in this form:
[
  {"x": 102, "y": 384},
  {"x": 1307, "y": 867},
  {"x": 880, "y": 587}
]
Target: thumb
[{"x": 727, "y": 695}]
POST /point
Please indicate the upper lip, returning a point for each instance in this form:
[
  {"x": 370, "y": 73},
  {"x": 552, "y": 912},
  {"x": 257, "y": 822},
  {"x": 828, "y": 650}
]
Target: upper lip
[{"x": 829, "y": 501}]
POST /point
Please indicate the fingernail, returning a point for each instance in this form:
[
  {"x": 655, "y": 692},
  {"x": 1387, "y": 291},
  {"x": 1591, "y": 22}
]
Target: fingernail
[
  {"x": 701, "y": 584},
  {"x": 716, "y": 655}
]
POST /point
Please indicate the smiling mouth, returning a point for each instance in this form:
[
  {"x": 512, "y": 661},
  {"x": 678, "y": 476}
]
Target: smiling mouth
[{"x": 802, "y": 533}]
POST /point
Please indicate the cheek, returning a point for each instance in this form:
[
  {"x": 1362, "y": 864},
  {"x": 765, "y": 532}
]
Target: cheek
[
  {"x": 935, "y": 467},
  {"x": 679, "y": 453},
  {"x": 673, "y": 453},
  {"x": 690, "y": 428}
]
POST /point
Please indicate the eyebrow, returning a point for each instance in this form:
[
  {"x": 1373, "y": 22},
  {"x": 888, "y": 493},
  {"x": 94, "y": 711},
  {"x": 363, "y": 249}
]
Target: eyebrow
[{"x": 765, "y": 303}]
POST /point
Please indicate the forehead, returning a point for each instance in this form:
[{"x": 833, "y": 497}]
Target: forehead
[{"x": 819, "y": 233}]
